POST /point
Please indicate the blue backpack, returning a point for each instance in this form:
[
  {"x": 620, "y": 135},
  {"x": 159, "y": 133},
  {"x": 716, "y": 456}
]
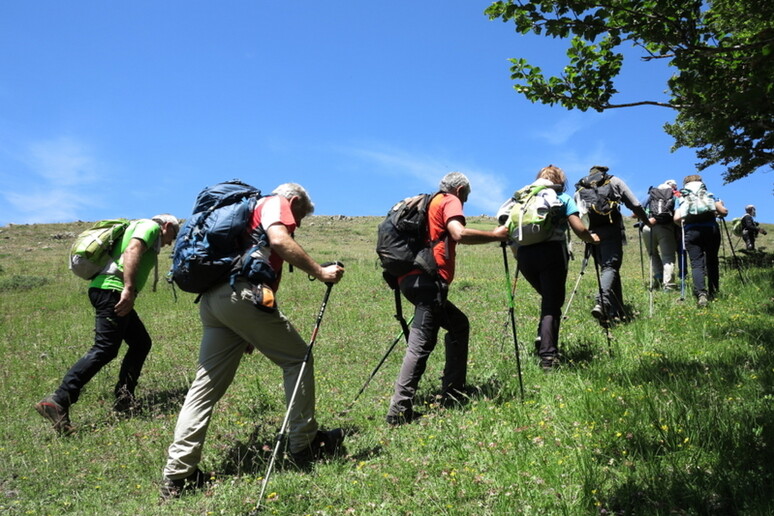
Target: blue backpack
[{"x": 210, "y": 247}]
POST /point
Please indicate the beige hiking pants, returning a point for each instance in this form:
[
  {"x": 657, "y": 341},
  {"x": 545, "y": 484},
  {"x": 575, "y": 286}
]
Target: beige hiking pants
[{"x": 230, "y": 323}]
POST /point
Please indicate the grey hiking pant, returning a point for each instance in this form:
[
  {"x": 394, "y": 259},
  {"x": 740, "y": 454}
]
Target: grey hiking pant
[
  {"x": 432, "y": 311},
  {"x": 608, "y": 255},
  {"x": 661, "y": 243},
  {"x": 231, "y": 322}
]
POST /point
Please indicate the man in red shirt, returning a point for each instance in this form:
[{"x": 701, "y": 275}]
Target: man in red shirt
[
  {"x": 432, "y": 310},
  {"x": 234, "y": 325}
]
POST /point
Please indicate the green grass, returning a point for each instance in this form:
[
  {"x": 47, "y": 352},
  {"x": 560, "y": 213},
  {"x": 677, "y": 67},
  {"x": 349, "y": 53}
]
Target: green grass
[{"x": 676, "y": 420}]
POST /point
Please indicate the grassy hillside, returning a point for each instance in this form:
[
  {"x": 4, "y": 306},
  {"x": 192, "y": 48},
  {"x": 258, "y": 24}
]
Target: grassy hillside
[{"x": 675, "y": 417}]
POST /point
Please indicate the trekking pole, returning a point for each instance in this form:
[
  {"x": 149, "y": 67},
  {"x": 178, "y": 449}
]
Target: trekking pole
[
  {"x": 684, "y": 266},
  {"x": 513, "y": 317},
  {"x": 651, "y": 273},
  {"x": 723, "y": 246},
  {"x": 642, "y": 264},
  {"x": 586, "y": 255},
  {"x": 376, "y": 369},
  {"x": 602, "y": 303},
  {"x": 285, "y": 421},
  {"x": 399, "y": 309},
  {"x": 737, "y": 263}
]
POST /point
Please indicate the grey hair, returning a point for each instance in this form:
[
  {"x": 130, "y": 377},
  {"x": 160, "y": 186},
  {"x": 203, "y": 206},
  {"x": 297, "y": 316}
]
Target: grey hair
[
  {"x": 452, "y": 181},
  {"x": 164, "y": 218},
  {"x": 290, "y": 190}
]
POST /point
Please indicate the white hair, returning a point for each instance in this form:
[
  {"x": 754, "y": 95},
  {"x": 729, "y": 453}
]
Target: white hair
[
  {"x": 164, "y": 218},
  {"x": 290, "y": 190}
]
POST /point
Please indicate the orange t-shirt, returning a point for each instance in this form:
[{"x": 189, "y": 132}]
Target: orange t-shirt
[{"x": 442, "y": 209}]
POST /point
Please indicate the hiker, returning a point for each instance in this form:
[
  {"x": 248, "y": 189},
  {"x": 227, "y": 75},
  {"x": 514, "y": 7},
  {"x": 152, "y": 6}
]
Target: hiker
[
  {"x": 432, "y": 309},
  {"x": 544, "y": 264},
  {"x": 696, "y": 211},
  {"x": 113, "y": 297},
  {"x": 750, "y": 228},
  {"x": 236, "y": 322},
  {"x": 660, "y": 238},
  {"x": 598, "y": 197}
]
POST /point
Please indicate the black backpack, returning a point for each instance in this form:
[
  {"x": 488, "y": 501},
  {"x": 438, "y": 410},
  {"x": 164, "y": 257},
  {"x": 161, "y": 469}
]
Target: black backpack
[
  {"x": 401, "y": 242},
  {"x": 598, "y": 199},
  {"x": 661, "y": 204},
  {"x": 210, "y": 246}
]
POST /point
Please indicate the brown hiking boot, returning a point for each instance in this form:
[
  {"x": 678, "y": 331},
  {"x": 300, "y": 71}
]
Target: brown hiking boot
[
  {"x": 58, "y": 415},
  {"x": 171, "y": 489}
]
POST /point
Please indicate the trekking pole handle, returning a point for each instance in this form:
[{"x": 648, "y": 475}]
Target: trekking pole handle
[{"x": 327, "y": 264}]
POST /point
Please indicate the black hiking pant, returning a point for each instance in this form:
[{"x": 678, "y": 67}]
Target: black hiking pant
[
  {"x": 544, "y": 266},
  {"x": 702, "y": 242},
  {"x": 109, "y": 331}
]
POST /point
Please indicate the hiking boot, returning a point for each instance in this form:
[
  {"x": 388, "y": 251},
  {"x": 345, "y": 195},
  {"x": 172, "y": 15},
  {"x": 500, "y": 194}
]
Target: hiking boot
[
  {"x": 549, "y": 363},
  {"x": 597, "y": 312},
  {"x": 56, "y": 413},
  {"x": 703, "y": 300},
  {"x": 457, "y": 395},
  {"x": 537, "y": 345},
  {"x": 403, "y": 418},
  {"x": 323, "y": 444},
  {"x": 126, "y": 403},
  {"x": 171, "y": 489}
]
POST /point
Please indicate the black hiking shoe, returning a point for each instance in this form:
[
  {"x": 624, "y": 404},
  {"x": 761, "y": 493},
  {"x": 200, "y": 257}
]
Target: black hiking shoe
[
  {"x": 324, "y": 444},
  {"x": 403, "y": 418},
  {"x": 126, "y": 404},
  {"x": 549, "y": 363},
  {"x": 171, "y": 489},
  {"x": 57, "y": 414},
  {"x": 455, "y": 396}
]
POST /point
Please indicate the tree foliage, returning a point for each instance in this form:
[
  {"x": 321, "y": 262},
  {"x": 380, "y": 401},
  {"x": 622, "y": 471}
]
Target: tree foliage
[{"x": 722, "y": 52}]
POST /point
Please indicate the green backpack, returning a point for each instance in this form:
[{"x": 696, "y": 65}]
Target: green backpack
[
  {"x": 90, "y": 253},
  {"x": 532, "y": 213},
  {"x": 736, "y": 226}
]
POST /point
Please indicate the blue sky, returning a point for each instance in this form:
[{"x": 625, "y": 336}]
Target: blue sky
[{"x": 128, "y": 109}]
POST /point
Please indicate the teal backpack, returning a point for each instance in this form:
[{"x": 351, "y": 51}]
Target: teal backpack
[{"x": 696, "y": 203}]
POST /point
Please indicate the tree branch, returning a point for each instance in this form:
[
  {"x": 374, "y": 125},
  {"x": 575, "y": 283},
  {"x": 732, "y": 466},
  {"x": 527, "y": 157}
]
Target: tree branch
[{"x": 642, "y": 103}]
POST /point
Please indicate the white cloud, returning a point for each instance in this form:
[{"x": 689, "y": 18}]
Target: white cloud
[
  {"x": 52, "y": 181},
  {"x": 488, "y": 189},
  {"x": 62, "y": 161},
  {"x": 51, "y": 206},
  {"x": 564, "y": 128}
]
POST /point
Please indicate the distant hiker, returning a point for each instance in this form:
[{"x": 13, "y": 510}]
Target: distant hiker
[
  {"x": 428, "y": 293},
  {"x": 544, "y": 264},
  {"x": 113, "y": 295},
  {"x": 661, "y": 238},
  {"x": 598, "y": 197},
  {"x": 696, "y": 211},
  {"x": 750, "y": 228},
  {"x": 239, "y": 318}
]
